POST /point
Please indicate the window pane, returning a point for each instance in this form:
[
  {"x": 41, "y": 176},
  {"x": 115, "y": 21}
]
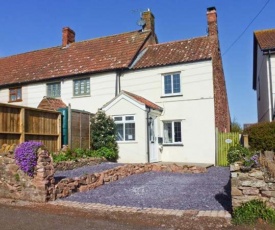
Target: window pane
[
  {"x": 177, "y": 131},
  {"x": 167, "y": 132},
  {"x": 117, "y": 118},
  {"x": 176, "y": 83},
  {"x": 129, "y": 118},
  {"x": 130, "y": 131},
  {"x": 167, "y": 84},
  {"x": 119, "y": 132}
]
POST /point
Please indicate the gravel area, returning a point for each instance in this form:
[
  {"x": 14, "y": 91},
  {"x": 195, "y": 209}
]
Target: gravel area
[
  {"x": 205, "y": 191},
  {"x": 85, "y": 169}
]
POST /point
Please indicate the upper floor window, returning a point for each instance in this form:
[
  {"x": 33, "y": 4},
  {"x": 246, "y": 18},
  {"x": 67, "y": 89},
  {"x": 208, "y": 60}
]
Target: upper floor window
[
  {"x": 125, "y": 128},
  {"x": 82, "y": 87},
  {"x": 54, "y": 89},
  {"x": 15, "y": 94},
  {"x": 171, "y": 84},
  {"x": 172, "y": 132}
]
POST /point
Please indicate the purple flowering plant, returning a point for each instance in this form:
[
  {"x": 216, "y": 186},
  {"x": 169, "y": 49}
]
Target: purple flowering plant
[{"x": 25, "y": 156}]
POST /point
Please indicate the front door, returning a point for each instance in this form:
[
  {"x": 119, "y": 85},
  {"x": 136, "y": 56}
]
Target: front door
[{"x": 153, "y": 142}]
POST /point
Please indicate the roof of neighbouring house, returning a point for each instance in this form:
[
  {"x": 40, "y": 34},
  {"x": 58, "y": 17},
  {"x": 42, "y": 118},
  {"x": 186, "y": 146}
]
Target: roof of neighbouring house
[
  {"x": 50, "y": 103},
  {"x": 195, "y": 49},
  {"x": 266, "y": 41},
  {"x": 265, "y": 38},
  {"x": 96, "y": 55}
]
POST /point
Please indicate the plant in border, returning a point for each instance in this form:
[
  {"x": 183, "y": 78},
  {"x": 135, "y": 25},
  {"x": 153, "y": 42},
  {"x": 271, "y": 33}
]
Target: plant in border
[
  {"x": 250, "y": 212},
  {"x": 26, "y": 157},
  {"x": 103, "y": 133},
  {"x": 237, "y": 153}
]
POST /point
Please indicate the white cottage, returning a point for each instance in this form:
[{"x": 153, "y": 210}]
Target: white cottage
[
  {"x": 167, "y": 99},
  {"x": 264, "y": 73}
]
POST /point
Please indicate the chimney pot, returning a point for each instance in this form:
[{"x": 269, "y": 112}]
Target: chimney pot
[{"x": 68, "y": 36}]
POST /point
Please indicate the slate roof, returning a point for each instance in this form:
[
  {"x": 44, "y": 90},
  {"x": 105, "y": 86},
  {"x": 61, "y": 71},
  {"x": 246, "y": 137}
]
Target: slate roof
[
  {"x": 265, "y": 38},
  {"x": 143, "y": 101},
  {"x": 51, "y": 104},
  {"x": 195, "y": 49},
  {"x": 96, "y": 55}
]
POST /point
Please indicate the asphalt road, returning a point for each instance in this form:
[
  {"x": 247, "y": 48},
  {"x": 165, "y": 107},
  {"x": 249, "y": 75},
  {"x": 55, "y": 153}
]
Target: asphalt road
[{"x": 22, "y": 218}]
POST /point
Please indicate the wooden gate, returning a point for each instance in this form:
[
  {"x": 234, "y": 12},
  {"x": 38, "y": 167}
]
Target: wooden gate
[{"x": 224, "y": 141}]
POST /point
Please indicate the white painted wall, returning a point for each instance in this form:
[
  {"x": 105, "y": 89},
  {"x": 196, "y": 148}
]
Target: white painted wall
[
  {"x": 102, "y": 90},
  {"x": 132, "y": 151},
  {"x": 195, "y": 108},
  {"x": 262, "y": 81}
]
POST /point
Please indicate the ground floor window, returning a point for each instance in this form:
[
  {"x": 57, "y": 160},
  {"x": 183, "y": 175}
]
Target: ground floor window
[
  {"x": 172, "y": 132},
  {"x": 125, "y": 128}
]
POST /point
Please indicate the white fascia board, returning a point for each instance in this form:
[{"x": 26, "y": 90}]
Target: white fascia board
[{"x": 127, "y": 98}]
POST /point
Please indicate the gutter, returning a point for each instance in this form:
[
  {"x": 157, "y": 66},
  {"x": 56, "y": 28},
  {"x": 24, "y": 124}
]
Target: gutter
[
  {"x": 270, "y": 87},
  {"x": 148, "y": 133}
]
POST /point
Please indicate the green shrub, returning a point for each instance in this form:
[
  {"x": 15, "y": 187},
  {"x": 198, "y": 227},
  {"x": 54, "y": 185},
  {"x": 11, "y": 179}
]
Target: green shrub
[
  {"x": 108, "y": 153},
  {"x": 103, "y": 133},
  {"x": 250, "y": 212},
  {"x": 237, "y": 153},
  {"x": 261, "y": 136},
  {"x": 59, "y": 157}
]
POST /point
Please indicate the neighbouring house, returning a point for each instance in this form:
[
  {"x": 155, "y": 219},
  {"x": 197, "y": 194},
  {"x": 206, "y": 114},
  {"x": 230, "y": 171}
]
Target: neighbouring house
[
  {"x": 263, "y": 73},
  {"x": 168, "y": 100}
]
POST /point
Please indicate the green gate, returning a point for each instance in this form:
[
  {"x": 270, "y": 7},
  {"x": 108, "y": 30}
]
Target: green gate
[{"x": 224, "y": 141}]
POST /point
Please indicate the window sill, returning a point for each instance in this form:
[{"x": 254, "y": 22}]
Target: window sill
[
  {"x": 173, "y": 145},
  {"x": 81, "y": 96},
  {"x": 127, "y": 142},
  {"x": 15, "y": 101},
  {"x": 172, "y": 95}
]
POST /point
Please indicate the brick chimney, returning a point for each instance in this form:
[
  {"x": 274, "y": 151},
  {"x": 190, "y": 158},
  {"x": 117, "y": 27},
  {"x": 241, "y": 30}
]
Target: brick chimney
[
  {"x": 68, "y": 36},
  {"x": 149, "y": 19},
  {"x": 212, "y": 21}
]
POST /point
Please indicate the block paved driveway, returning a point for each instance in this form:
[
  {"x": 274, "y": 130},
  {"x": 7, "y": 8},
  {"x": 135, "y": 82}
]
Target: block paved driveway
[{"x": 204, "y": 191}]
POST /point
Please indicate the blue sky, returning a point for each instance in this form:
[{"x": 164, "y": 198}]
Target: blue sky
[{"x": 30, "y": 25}]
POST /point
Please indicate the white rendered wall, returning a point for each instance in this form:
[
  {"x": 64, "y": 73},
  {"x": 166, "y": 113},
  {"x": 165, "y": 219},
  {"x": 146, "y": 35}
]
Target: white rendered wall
[
  {"x": 132, "y": 151},
  {"x": 195, "y": 108},
  {"x": 263, "y": 93},
  {"x": 102, "y": 90}
]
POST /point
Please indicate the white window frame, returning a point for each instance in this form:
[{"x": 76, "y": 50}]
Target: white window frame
[
  {"x": 172, "y": 86},
  {"x": 87, "y": 88},
  {"x": 123, "y": 121},
  {"x": 52, "y": 94},
  {"x": 165, "y": 135}
]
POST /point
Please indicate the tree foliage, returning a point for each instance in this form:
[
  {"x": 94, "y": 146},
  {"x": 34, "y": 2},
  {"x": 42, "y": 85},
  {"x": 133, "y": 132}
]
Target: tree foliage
[{"x": 103, "y": 133}]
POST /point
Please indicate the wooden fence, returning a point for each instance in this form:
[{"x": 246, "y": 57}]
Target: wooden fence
[
  {"x": 19, "y": 124},
  {"x": 224, "y": 141}
]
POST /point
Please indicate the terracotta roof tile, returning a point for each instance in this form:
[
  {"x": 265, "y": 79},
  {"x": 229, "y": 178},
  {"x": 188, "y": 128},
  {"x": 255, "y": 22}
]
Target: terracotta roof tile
[
  {"x": 101, "y": 54},
  {"x": 265, "y": 38},
  {"x": 51, "y": 104},
  {"x": 144, "y": 101},
  {"x": 194, "y": 49}
]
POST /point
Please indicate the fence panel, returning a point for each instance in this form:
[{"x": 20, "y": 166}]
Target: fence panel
[
  {"x": 19, "y": 124},
  {"x": 225, "y": 140}
]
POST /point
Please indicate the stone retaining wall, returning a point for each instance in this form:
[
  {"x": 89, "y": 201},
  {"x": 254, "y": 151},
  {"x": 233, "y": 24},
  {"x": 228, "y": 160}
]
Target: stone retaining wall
[
  {"x": 251, "y": 185},
  {"x": 15, "y": 184},
  {"x": 42, "y": 187},
  {"x": 84, "y": 183}
]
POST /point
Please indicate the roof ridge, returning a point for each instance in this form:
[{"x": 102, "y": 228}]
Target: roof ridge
[
  {"x": 264, "y": 30},
  {"x": 178, "y": 41},
  {"x": 71, "y": 44}
]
